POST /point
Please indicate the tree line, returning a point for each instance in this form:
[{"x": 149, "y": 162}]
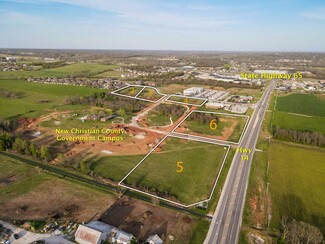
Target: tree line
[
  {"x": 9, "y": 141},
  {"x": 107, "y": 100},
  {"x": 303, "y": 137},
  {"x": 170, "y": 110},
  {"x": 203, "y": 118}
]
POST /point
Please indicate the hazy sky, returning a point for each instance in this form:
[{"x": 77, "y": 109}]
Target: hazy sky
[{"x": 232, "y": 25}]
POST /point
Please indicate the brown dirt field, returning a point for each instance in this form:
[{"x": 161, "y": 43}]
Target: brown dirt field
[
  {"x": 143, "y": 219},
  {"x": 129, "y": 146},
  {"x": 57, "y": 198}
]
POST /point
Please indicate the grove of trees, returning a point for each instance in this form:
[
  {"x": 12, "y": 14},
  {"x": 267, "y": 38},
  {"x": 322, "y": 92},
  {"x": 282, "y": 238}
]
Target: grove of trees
[
  {"x": 203, "y": 118},
  {"x": 107, "y": 100},
  {"x": 170, "y": 110},
  {"x": 303, "y": 137}
]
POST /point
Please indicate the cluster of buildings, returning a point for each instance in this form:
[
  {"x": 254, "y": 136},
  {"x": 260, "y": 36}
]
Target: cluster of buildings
[
  {"x": 200, "y": 92},
  {"x": 10, "y": 64},
  {"x": 100, "y": 83},
  {"x": 309, "y": 86},
  {"x": 236, "y": 79},
  {"x": 96, "y": 117},
  {"x": 97, "y": 232},
  {"x": 219, "y": 99}
]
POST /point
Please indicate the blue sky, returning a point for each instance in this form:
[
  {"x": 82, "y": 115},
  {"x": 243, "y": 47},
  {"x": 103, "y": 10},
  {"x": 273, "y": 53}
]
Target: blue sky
[{"x": 233, "y": 25}]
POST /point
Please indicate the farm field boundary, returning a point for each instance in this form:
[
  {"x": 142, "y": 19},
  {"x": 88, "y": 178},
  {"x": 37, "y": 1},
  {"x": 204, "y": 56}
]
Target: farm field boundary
[
  {"x": 186, "y": 97},
  {"x": 116, "y": 92},
  {"x": 168, "y": 200},
  {"x": 208, "y": 112}
]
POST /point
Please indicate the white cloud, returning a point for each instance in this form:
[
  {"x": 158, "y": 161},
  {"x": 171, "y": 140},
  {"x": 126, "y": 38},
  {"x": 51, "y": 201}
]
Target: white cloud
[
  {"x": 19, "y": 17},
  {"x": 317, "y": 14}
]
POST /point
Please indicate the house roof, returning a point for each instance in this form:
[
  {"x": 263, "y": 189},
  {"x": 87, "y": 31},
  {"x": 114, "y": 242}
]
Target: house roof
[
  {"x": 123, "y": 236},
  {"x": 86, "y": 235},
  {"x": 100, "y": 226},
  {"x": 154, "y": 239}
]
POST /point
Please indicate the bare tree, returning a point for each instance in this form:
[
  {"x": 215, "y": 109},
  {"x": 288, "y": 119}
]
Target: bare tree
[{"x": 301, "y": 232}]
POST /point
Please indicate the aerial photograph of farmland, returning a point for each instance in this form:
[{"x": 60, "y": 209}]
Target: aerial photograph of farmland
[{"x": 150, "y": 122}]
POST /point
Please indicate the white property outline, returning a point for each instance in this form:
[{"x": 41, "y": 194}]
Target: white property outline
[
  {"x": 205, "y": 137},
  {"x": 198, "y": 98},
  {"x": 167, "y": 200},
  {"x": 136, "y": 96}
]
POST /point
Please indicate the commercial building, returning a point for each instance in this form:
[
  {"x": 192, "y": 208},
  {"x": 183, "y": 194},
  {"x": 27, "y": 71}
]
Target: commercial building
[{"x": 193, "y": 91}]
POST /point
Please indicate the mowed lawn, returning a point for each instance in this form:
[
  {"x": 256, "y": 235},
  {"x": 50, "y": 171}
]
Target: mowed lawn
[
  {"x": 77, "y": 70},
  {"x": 158, "y": 172},
  {"x": 297, "y": 184},
  {"x": 35, "y": 97},
  {"x": 307, "y": 104}
]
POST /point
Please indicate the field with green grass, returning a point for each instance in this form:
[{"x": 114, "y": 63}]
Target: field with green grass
[
  {"x": 115, "y": 167},
  {"x": 27, "y": 178},
  {"x": 185, "y": 100},
  {"x": 306, "y": 104},
  {"x": 301, "y": 112},
  {"x": 73, "y": 70},
  {"x": 296, "y": 177},
  {"x": 150, "y": 94},
  {"x": 201, "y": 163},
  {"x": 35, "y": 99},
  {"x": 227, "y": 127},
  {"x": 130, "y": 91},
  {"x": 298, "y": 122}
]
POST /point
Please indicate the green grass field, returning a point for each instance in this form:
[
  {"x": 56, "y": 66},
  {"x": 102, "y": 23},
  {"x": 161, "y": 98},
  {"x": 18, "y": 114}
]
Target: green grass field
[
  {"x": 115, "y": 167},
  {"x": 150, "y": 94},
  {"x": 74, "y": 70},
  {"x": 158, "y": 172},
  {"x": 302, "y": 112},
  {"x": 130, "y": 91},
  {"x": 297, "y": 186},
  {"x": 298, "y": 122},
  {"x": 224, "y": 124},
  {"x": 186, "y": 100},
  {"x": 307, "y": 104},
  {"x": 110, "y": 74},
  {"x": 27, "y": 178},
  {"x": 38, "y": 98}
]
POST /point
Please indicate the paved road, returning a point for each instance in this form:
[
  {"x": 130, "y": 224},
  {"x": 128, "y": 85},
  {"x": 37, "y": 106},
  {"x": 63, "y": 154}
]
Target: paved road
[
  {"x": 226, "y": 222},
  {"x": 29, "y": 237},
  {"x": 204, "y": 139}
]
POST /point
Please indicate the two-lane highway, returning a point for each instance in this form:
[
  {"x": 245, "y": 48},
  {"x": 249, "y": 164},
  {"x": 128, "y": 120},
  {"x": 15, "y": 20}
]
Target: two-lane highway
[{"x": 227, "y": 218}]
